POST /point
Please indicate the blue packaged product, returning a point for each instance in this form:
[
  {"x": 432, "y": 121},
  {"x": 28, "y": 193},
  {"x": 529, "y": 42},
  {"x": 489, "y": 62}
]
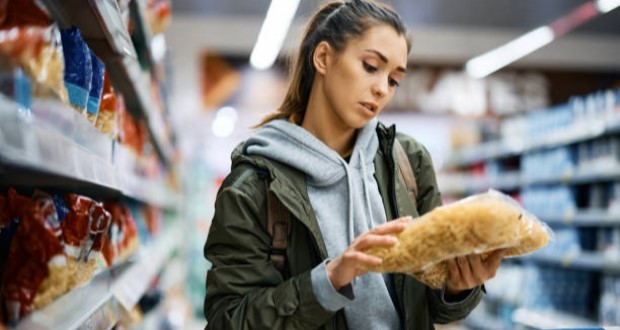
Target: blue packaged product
[
  {"x": 78, "y": 67},
  {"x": 96, "y": 87}
]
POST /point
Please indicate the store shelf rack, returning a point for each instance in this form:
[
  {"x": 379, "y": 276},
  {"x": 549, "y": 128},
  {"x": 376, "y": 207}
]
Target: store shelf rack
[
  {"x": 506, "y": 148},
  {"x": 551, "y": 319},
  {"x": 460, "y": 183},
  {"x": 101, "y": 25},
  {"x": 98, "y": 304},
  {"x": 65, "y": 150},
  {"x": 592, "y": 261}
]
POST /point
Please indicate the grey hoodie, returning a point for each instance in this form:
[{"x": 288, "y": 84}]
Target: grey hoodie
[{"x": 346, "y": 200}]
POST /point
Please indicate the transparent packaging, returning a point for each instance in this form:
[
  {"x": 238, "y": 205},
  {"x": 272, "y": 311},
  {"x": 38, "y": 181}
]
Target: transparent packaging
[{"x": 477, "y": 224}]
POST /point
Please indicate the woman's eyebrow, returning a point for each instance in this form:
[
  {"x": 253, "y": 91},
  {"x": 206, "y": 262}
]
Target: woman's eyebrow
[{"x": 384, "y": 59}]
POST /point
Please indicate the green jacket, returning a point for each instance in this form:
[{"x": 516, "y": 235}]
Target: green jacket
[{"x": 244, "y": 289}]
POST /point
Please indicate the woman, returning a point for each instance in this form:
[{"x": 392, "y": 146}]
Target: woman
[{"x": 330, "y": 163}]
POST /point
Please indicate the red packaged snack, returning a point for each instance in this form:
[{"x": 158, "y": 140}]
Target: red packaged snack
[
  {"x": 122, "y": 239},
  {"x": 83, "y": 231},
  {"x": 35, "y": 257},
  {"x": 22, "y": 13}
]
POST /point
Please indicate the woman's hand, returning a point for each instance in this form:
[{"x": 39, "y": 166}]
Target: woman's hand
[
  {"x": 469, "y": 271},
  {"x": 345, "y": 267}
]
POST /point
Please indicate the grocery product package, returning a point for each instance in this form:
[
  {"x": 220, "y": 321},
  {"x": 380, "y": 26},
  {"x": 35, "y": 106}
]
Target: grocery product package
[
  {"x": 96, "y": 87},
  {"x": 34, "y": 50},
  {"x": 35, "y": 268},
  {"x": 84, "y": 231},
  {"x": 78, "y": 73},
  {"x": 122, "y": 238},
  {"x": 478, "y": 224},
  {"x": 107, "y": 121}
]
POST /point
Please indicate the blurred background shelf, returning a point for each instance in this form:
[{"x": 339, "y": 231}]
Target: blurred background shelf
[
  {"x": 551, "y": 319},
  {"x": 591, "y": 261},
  {"x": 506, "y": 148}
]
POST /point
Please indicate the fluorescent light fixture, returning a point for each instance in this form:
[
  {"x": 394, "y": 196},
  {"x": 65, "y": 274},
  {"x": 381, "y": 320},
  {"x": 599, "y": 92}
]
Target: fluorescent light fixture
[
  {"x": 271, "y": 36},
  {"x": 605, "y": 6},
  {"x": 485, "y": 64},
  {"x": 224, "y": 122}
]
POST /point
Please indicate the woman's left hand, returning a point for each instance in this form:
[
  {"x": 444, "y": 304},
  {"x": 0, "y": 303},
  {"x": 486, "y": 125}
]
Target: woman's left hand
[{"x": 470, "y": 271}]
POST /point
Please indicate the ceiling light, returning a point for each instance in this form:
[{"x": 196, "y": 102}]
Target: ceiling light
[
  {"x": 224, "y": 122},
  {"x": 485, "y": 64},
  {"x": 605, "y": 6},
  {"x": 271, "y": 36}
]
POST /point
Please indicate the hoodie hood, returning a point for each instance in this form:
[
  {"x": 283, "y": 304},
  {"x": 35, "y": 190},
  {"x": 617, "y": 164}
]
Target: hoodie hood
[{"x": 296, "y": 147}]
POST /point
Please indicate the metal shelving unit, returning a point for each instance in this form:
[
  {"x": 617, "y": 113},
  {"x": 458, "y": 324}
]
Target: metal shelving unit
[
  {"x": 591, "y": 261},
  {"x": 73, "y": 154},
  {"x": 102, "y": 27},
  {"x": 547, "y": 319},
  {"x": 507, "y": 148},
  {"x": 98, "y": 304},
  {"x": 514, "y": 180}
]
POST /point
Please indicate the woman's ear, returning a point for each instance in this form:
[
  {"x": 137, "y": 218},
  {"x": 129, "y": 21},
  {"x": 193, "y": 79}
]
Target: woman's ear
[{"x": 322, "y": 56}]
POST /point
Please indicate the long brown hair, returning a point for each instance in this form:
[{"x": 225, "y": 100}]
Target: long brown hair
[{"x": 335, "y": 22}]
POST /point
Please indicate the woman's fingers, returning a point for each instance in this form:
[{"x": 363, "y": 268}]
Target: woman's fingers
[
  {"x": 391, "y": 227},
  {"x": 372, "y": 240},
  {"x": 359, "y": 257},
  {"x": 465, "y": 270}
]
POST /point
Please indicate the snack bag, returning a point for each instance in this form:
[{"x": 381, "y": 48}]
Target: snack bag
[
  {"x": 478, "y": 224},
  {"x": 22, "y": 13},
  {"x": 83, "y": 233},
  {"x": 78, "y": 68},
  {"x": 33, "y": 49},
  {"x": 121, "y": 240},
  {"x": 96, "y": 87},
  {"x": 33, "y": 272}
]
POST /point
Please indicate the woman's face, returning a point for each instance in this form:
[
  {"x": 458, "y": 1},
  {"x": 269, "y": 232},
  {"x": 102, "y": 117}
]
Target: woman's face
[{"x": 364, "y": 76}]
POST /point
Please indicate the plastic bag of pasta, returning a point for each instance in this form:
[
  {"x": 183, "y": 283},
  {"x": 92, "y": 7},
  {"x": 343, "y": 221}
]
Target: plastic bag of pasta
[{"x": 478, "y": 224}]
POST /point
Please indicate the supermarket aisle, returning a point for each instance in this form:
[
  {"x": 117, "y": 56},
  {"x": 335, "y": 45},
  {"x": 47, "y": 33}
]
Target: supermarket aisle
[{"x": 117, "y": 119}]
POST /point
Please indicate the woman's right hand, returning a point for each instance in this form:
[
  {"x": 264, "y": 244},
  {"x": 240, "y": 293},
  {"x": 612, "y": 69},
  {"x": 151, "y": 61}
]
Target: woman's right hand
[{"x": 345, "y": 267}]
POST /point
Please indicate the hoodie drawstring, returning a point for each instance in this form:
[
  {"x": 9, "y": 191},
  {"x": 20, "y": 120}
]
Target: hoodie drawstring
[
  {"x": 366, "y": 191},
  {"x": 350, "y": 184}
]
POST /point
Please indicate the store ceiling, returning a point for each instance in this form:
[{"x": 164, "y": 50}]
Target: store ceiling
[{"x": 504, "y": 14}]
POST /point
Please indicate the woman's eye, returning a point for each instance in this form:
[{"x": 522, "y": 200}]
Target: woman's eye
[
  {"x": 393, "y": 82},
  {"x": 369, "y": 68}
]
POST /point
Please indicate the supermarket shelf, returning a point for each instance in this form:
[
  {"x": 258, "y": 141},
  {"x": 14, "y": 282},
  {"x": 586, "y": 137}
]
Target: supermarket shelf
[
  {"x": 583, "y": 218},
  {"x": 111, "y": 42},
  {"x": 97, "y": 305},
  {"x": 70, "y": 153},
  {"x": 585, "y": 260},
  {"x": 144, "y": 37},
  {"x": 507, "y": 148},
  {"x": 462, "y": 183},
  {"x": 483, "y": 321},
  {"x": 579, "y": 176},
  {"x": 551, "y": 319}
]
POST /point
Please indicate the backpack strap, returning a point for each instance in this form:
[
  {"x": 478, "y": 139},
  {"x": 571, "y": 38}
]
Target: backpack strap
[
  {"x": 406, "y": 172},
  {"x": 278, "y": 227}
]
